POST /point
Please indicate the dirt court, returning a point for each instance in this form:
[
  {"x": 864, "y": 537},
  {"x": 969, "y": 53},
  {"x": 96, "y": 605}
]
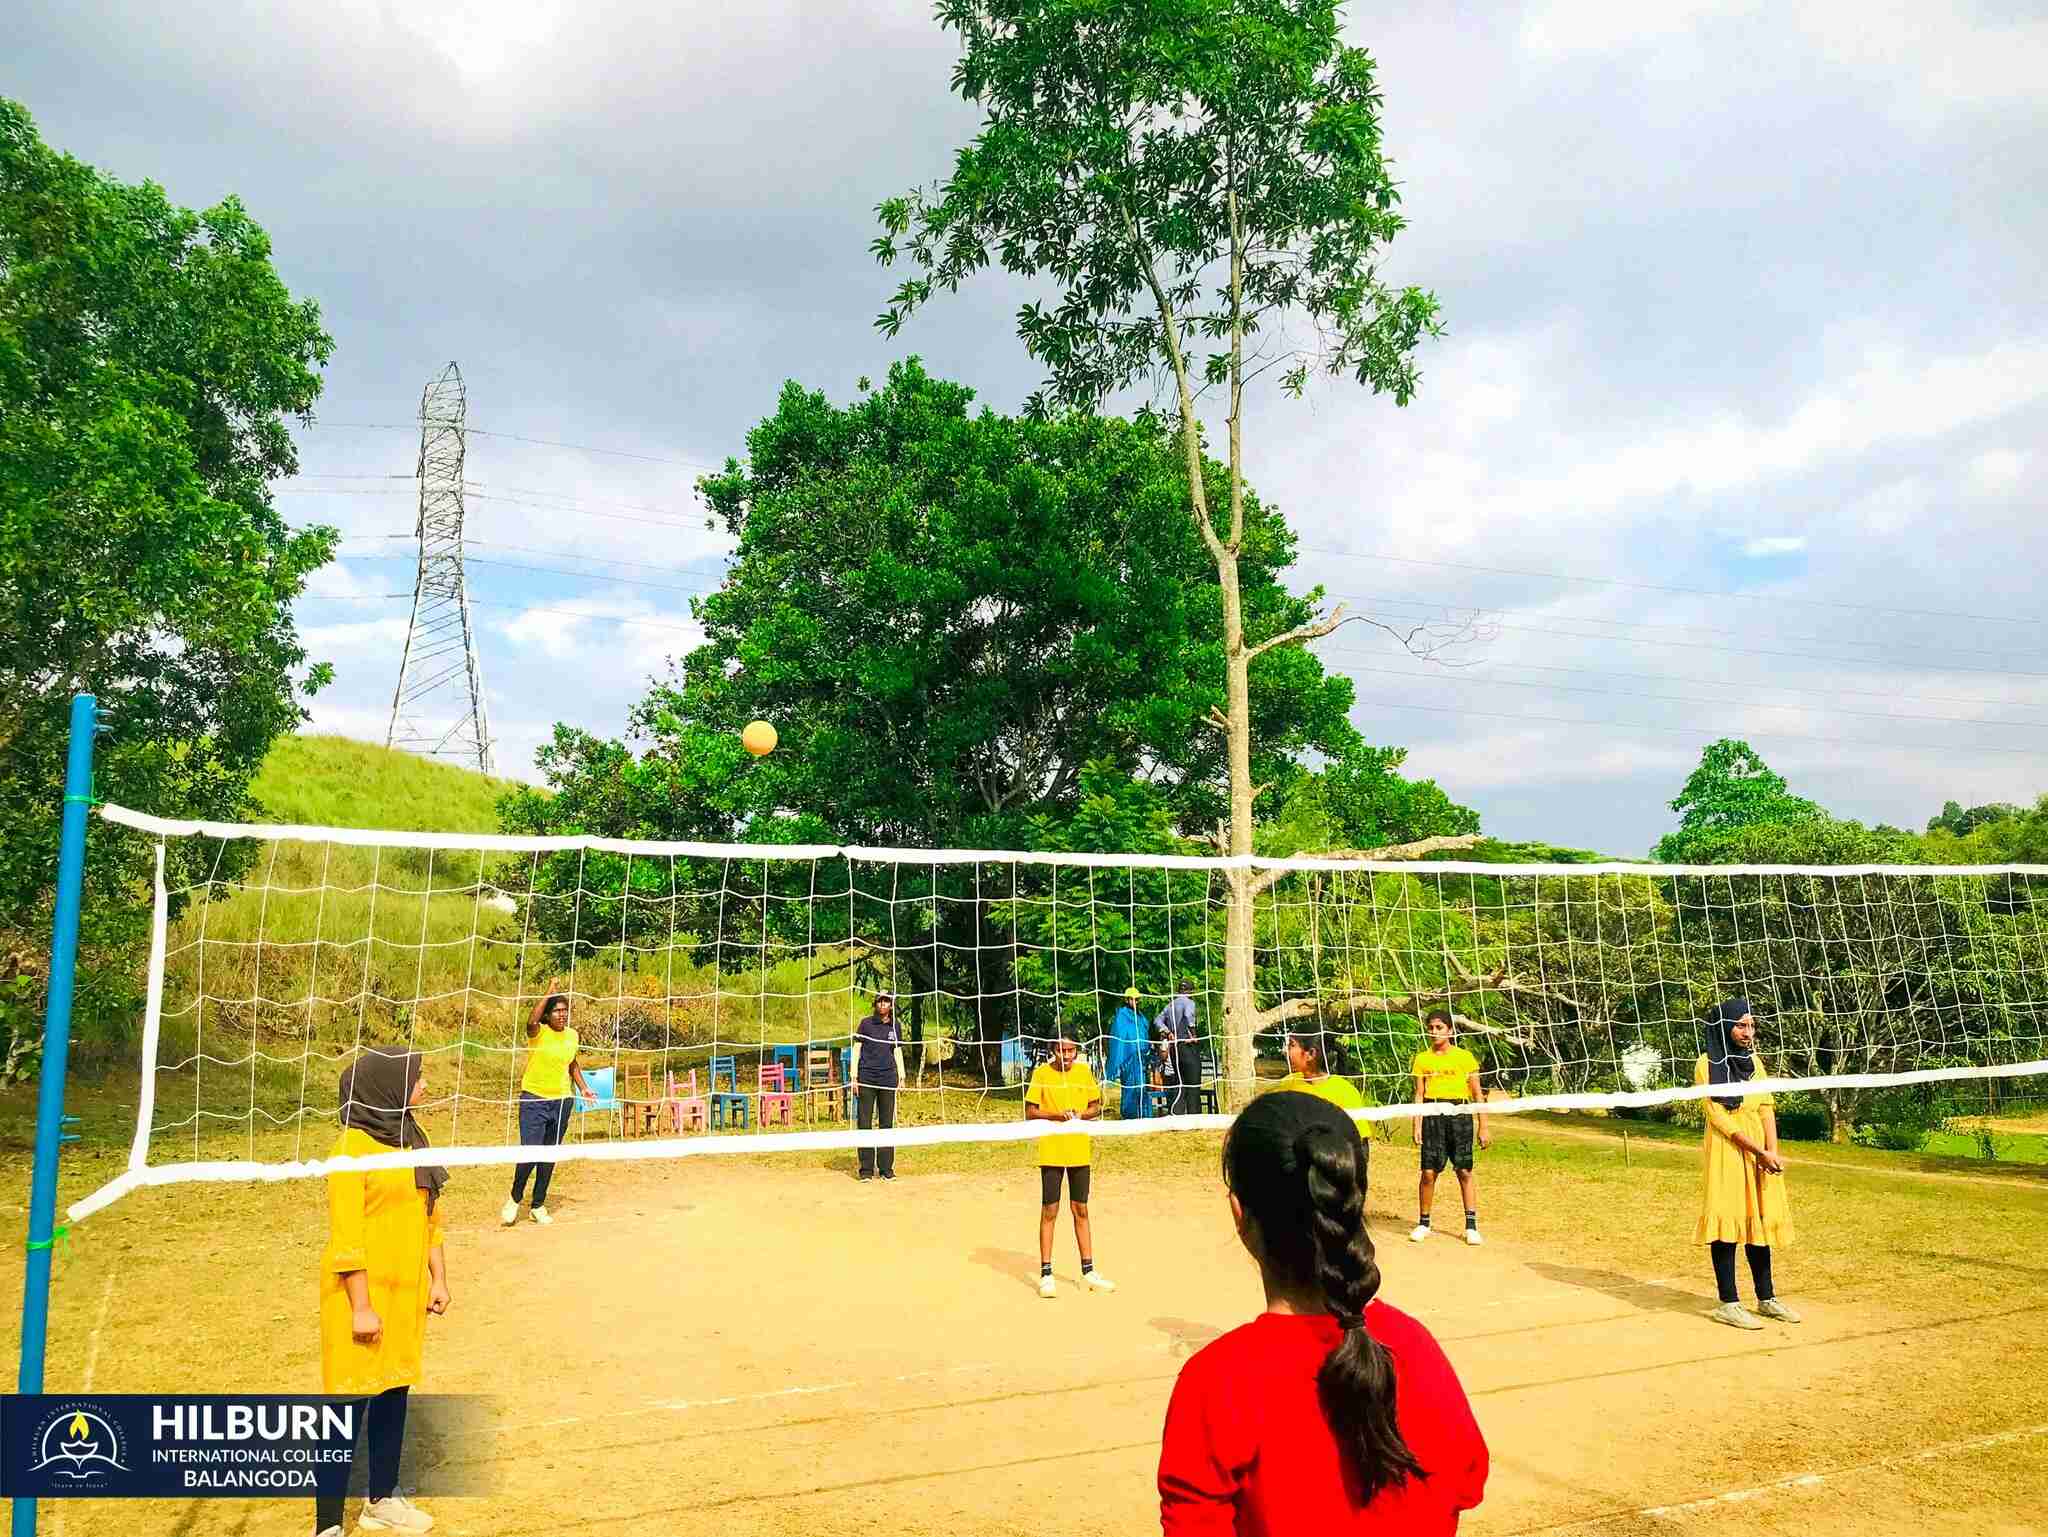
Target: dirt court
[{"x": 743, "y": 1344}]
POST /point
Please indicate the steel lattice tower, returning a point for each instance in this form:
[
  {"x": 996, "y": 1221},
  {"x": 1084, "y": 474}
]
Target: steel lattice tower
[{"x": 438, "y": 706}]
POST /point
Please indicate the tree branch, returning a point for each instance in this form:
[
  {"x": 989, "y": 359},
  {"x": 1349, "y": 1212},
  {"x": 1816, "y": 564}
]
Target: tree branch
[
  {"x": 1420, "y": 848},
  {"x": 1315, "y": 629}
]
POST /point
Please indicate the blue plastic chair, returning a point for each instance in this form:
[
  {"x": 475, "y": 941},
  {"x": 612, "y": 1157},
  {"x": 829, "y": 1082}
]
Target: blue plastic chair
[
  {"x": 603, "y": 1099},
  {"x": 728, "y": 1105}
]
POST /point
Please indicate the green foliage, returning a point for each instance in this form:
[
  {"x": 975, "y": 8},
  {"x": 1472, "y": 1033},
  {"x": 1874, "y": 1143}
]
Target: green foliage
[
  {"x": 1732, "y": 789},
  {"x": 1954, "y": 819},
  {"x": 149, "y": 357},
  {"x": 1358, "y": 800},
  {"x": 1127, "y": 149}
]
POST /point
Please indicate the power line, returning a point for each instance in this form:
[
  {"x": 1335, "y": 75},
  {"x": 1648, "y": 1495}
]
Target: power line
[
  {"x": 1698, "y": 592},
  {"x": 516, "y": 437}
]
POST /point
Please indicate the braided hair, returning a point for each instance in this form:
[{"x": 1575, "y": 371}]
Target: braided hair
[{"x": 1297, "y": 1166}]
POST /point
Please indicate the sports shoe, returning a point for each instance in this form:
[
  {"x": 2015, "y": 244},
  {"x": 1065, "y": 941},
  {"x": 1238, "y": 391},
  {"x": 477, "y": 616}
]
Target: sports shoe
[
  {"x": 1046, "y": 1288},
  {"x": 1472, "y": 1237},
  {"x": 1771, "y": 1307},
  {"x": 509, "y": 1213},
  {"x": 540, "y": 1215},
  {"x": 328, "y": 1531},
  {"x": 1736, "y": 1316},
  {"x": 394, "y": 1513},
  {"x": 1096, "y": 1281},
  {"x": 1420, "y": 1235},
  {"x": 890, "y": 1177}
]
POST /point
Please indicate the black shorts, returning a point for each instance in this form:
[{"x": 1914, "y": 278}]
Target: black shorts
[
  {"x": 1049, "y": 1184},
  {"x": 1446, "y": 1139}
]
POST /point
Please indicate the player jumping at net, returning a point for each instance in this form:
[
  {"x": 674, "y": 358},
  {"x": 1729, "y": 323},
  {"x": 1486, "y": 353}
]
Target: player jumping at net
[
  {"x": 1742, "y": 1194},
  {"x": 1065, "y": 1089},
  {"x": 1447, "y": 1074},
  {"x": 383, "y": 1272},
  {"x": 544, "y": 1100},
  {"x": 1331, "y": 1413}
]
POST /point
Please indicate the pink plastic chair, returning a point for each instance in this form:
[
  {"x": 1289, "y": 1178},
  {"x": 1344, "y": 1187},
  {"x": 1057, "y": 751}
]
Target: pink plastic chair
[
  {"x": 687, "y": 1111},
  {"x": 778, "y": 1105}
]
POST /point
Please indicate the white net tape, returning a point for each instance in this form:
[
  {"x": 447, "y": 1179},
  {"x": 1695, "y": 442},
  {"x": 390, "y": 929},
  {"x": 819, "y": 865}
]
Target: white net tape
[{"x": 694, "y": 971}]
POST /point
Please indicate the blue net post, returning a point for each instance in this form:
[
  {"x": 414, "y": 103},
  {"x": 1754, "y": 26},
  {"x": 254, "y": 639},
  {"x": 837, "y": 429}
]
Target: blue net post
[{"x": 50, "y": 1117}]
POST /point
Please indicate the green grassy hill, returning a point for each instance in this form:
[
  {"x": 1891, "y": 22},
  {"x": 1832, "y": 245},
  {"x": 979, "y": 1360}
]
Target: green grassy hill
[{"x": 332, "y": 781}]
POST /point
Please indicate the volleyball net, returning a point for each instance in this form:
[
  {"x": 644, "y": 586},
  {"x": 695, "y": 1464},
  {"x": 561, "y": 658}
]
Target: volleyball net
[{"x": 715, "y": 988}]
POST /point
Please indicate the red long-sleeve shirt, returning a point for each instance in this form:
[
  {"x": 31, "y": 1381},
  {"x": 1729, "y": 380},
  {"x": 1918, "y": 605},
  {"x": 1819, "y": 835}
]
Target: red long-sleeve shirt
[{"x": 1248, "y": 1453}]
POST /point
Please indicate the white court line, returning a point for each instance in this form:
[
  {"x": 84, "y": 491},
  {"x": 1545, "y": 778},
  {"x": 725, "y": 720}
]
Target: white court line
[
  {"x": 1810, "y": 1480},
  {"x": 92, "y": 1361}
]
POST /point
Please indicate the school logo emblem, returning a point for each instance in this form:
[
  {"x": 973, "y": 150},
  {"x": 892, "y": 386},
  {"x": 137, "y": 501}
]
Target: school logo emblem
[{"x": 79, "y": 1447}]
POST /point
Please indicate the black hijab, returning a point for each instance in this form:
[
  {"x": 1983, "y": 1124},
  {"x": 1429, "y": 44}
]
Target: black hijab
[
  {"x": 376, "y": 1099},
  {"x": 1727, "y": 1062}
]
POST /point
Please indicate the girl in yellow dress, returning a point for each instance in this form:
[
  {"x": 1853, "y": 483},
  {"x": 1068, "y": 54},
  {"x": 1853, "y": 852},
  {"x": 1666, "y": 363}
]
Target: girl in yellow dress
[
  {"x": 381, "y": 1275},
  {"x": 1742, "y": 1198}
]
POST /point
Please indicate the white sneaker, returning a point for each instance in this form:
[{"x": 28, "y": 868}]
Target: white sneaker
[
  {"x": 509, "y": 1213},
  {"x": 1736, "y": 1316},
  {"x": 328, "y": 1531},
  {"x": 1420, "y": 1235},
  {"x": 1096, "y": 1281},
  {"x": 540, "y": 1215},
  {"x": 394, "y": 1513},
  {"x": 1771, "y": 1307},
  {"x": 1046, "y": 1287},
  {"x": 1472, "y": 1237}
]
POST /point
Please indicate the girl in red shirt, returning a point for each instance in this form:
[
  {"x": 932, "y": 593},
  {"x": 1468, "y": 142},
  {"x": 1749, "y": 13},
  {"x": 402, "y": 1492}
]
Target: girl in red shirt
[{"x": 1329, "y": 1413}]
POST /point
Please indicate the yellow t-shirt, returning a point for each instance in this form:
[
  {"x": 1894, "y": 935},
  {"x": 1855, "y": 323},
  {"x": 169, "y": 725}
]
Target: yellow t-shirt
[
  {"x": 1340, "y": 1092},
  {"x": 1445, "y": 1074},
  {"x": 1075, "y": 1090},
  {"x": 547, "y": 1063}
]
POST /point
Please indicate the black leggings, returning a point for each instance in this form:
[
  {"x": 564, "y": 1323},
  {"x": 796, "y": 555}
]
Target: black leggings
[
  {"x": 383, "y": 1429},
  {"x": 1759, "y": 1269}
]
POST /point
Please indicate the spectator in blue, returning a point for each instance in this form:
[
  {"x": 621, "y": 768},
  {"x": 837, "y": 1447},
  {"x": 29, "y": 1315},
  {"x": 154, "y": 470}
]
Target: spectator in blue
[
  {"x": 1129, "y": 1051},
  {"x": 1180, "y": 1044}
]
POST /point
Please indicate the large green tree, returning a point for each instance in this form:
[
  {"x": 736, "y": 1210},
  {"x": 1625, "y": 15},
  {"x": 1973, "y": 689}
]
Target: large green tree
[
  {"x": 1732, "y": 789},
  {"x": 1206, "y": 183},
  {"x": 971, "y": 632},
  {"x": 149, "y": 359}
]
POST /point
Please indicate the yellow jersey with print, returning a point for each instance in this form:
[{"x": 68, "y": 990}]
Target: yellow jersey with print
[
  {"x": 547, "y": 1063},
  {"x": 1445, "y": 1074},
  {"x": 1075, "y": 1090}
]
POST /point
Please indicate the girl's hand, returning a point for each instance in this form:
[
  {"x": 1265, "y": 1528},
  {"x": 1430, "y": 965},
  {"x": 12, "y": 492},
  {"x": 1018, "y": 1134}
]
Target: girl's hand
[
  {"x": 1485, "y": 1142},
  {"x": 367, "y": 1327},
  {"x": 1770, "y": 1162},
  {"x": 437, "y": 1297}
]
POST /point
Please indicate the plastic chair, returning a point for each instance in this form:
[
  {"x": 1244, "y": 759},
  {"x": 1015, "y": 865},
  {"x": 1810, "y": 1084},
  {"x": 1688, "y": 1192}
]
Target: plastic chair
[
  {"x": 603, "y": 1099},
  {"x": 729, "y": 1107},
  {"x": 778, "y": 1105},
  {"x": 687, "y": 1111}
]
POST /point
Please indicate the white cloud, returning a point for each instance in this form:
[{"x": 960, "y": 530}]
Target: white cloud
[
  {"x": 1995, "y": 472},
  {"x": 1775, "y": 544}
]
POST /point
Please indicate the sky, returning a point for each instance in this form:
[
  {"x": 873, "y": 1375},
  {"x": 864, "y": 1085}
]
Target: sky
[{"x": 1737, "y": 427}]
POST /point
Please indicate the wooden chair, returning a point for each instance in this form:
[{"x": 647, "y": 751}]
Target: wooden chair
[
  {"x": 1205, "y": 1091},
  {"x": 778, "y": 1105},
  {"x": 639, "y": 1110},
  {"x": 823, "y": 1092},
  {"x": 729, "y": 1107},
  {"x": 687, "y": 1110},
  {"x": 789, "y": 1059}
]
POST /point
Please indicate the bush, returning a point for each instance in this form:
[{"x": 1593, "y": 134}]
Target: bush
[{"x": 1889, "y": 1136}]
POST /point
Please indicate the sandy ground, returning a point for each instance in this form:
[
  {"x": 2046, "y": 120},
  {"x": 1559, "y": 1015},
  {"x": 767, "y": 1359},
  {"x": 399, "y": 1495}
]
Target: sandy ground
[{"x": 739, "y": 1344}]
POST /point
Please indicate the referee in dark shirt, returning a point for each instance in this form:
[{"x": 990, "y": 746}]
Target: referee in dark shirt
[{"x": 877, "y": 1074}]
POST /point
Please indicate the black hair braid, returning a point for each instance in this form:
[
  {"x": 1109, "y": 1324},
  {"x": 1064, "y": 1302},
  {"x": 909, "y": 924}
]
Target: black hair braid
[{"x": 1356, "y": 1383}]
